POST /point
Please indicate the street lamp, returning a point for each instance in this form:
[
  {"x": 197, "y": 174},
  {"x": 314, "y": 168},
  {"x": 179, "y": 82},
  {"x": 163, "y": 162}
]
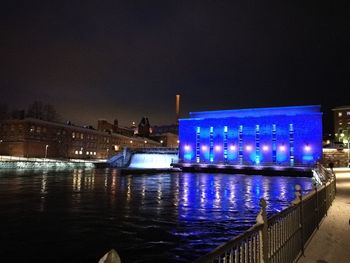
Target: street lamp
[
  {"x": 348, "y": 142},
  {"x": 47, "y": 146}
]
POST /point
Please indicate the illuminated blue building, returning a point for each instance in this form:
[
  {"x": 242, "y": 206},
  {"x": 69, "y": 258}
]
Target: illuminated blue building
[{"x": 288, "y": 136}]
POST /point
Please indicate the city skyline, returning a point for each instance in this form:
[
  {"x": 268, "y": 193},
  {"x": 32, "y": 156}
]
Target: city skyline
[{"x": 127, "y": 60}]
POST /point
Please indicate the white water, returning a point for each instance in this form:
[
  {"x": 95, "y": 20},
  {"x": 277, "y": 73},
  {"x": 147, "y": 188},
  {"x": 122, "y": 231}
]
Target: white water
[{"x": 154, "y": 160}]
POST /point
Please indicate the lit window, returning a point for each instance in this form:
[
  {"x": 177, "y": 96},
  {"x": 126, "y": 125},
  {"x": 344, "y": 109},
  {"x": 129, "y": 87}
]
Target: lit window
[
  {"x": 81, "y": 136},
  {"x": 87, "y": 153},
  {"x": 348, "y": 113},
  {"x": 225, "y": 128},
  {"x": 32, "y": 129},
  {"x": 91, "y": 153},
  {"x": 80, "y": 152},
  {"x": 94, "y": 153},
  {"x": 340, "y": 123},
  {"x": 76, "y": 152},
  {"x": 340, "y": 114},
  {"x": 73, "y": 135}
]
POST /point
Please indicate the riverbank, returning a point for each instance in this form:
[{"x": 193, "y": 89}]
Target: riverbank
[
  {"x": 332, "y": 241},
  {"x": 11, "y": 162}
]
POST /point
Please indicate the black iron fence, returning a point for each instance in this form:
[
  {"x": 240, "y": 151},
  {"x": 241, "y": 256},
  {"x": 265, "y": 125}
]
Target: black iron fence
[{"x": 282, "y": 237}]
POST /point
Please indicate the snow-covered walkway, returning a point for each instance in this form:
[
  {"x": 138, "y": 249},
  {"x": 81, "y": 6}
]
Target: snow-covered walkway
[{"x": 331, "y": 243}]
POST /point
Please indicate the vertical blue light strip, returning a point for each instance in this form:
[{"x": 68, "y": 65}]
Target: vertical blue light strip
[
  {"x": 291, "y": 144},
  {"x": 274, "y": 146},
  {"x": 198, "y": 144},
  {"x": 225, "y": 143},
  {"x": 240, "y": 143},
  {"x": 257, "y": 144},
  {"x": 211, "y": 144}
]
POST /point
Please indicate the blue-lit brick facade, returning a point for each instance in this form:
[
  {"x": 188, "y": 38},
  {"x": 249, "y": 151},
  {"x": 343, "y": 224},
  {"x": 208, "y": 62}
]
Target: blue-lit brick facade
[{"x": 288, "y": 136}]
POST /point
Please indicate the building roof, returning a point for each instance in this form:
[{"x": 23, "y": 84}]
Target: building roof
[
  {"x": 258, "y": 112},
  {"x": 341, "y": 108}
]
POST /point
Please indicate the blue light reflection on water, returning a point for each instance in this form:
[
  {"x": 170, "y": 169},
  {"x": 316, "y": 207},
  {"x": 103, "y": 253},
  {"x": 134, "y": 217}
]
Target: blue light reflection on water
[{"x": 169, "y": 217}]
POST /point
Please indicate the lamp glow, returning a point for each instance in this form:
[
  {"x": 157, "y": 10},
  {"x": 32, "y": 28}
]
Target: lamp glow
[
  {"x": 204, "y": 148},
  {"x": 248, "y": 148},
  {"x": 307, "y": 148},
  {"x": 217, "y": 148},
  {"x": 187, "y": 147},
  {"x": 282, "y": 148},
  {"x": 265, "y": 148},
  {"x": 233, "y": 147}
]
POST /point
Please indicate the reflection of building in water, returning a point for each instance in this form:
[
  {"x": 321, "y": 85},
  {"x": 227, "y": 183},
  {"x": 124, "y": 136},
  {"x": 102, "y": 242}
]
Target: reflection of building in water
[{"x": 280, "y": 136}]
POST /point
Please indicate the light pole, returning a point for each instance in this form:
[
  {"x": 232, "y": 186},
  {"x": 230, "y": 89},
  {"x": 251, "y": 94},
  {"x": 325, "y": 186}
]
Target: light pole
[
  {"x": 348, "y": 142},
  {"x": 47, "y": 146}
]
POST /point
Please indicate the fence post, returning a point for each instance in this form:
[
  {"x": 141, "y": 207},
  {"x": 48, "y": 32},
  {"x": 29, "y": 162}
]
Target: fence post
[
  {"x": 262, "y": 219},
  {"x": 317, "y": 208},
  {"x": 299, "y": 201}
]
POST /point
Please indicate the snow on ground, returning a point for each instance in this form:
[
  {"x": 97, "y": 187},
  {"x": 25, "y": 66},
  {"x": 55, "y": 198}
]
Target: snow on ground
[{"x": 331, "y": 243}]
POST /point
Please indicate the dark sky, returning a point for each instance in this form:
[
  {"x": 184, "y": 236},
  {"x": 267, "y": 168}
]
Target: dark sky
[{"x": 128, "y": 59}]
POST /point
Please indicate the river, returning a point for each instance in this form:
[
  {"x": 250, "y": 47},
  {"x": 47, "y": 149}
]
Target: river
[{"x": 78, "y": 215}]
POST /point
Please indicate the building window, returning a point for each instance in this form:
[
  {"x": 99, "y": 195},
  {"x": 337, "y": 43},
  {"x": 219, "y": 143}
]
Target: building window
[
  {"x": 73, "y": 135},
  {"x": 340, "y": 114},
  {"x": 76, "y": 152},
  {"x": 81, "y": 136},
  {"x": 80, "y": 152}
]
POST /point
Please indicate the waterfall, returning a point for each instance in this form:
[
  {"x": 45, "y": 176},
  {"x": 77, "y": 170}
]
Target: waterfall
[{"x": 152, "y": 160}]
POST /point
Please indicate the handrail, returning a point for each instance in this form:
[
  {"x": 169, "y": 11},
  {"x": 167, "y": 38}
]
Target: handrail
[{"x": 283, "y": 236}]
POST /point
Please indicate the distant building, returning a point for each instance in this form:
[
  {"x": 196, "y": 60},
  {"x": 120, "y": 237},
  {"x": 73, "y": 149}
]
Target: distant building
[
  {"x": 144, "y": 128},
  {"x": 268, "y": 136},
  {"x": 37, "y": 138},
  {"x": 167, "y": 139},
  {"x": 341, "y": 118},
  {"x": 172, "y": 128},
  {"x": 105, "y": 126}
]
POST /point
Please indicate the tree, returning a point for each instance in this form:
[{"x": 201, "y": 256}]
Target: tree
[{"x": 41, "y": 111}]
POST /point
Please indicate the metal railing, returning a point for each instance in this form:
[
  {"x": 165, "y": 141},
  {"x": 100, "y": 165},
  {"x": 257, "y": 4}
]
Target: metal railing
[{"x": 282, "y": 237}]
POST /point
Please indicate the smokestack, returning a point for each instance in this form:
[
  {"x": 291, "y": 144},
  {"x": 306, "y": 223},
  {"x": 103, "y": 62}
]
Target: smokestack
[{"x": 177, "y": 109}]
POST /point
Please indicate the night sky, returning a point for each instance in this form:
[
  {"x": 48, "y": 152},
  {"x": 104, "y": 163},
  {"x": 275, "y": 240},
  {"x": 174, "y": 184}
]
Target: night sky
[{"x": 128, "y": 59}]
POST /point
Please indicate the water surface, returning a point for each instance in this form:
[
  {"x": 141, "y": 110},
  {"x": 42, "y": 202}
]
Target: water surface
[{"x": 78, "y": 215}]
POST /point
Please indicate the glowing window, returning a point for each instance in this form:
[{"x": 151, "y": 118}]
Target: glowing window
[
  {"x": 80, "y": 152},
  {"x": 340, "y": 114},
  {"x": 76, "y": 152},
  {"x": 73, "y": 135},
  {"x": 94, "y": 153},
  {"x": 87, "y": 153}
]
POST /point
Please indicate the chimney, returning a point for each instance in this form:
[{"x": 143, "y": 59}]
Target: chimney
[{"x": 177, "y": 109}]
